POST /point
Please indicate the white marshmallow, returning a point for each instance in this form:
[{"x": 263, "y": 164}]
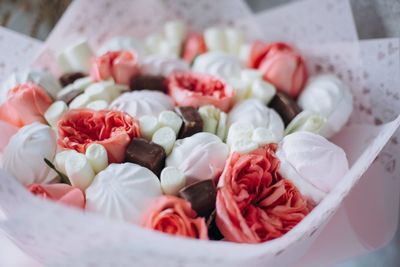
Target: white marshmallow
[
  {"x": 78, "y": 85},
  {"x": 263, "y": 91},
  {"x": 242, "y": 89},
  {"x": 234, "y": 40},
  {"x": 243, "y": 146},
  {"x": 209, "y": 125},
  {"x": 96, "y": 154},
  {"x": 61, "y": 158},
  {"x": 148, "y": 126},
  {"x": 222, "y": 125},
  {"x": 170, "y": 119},
  {"x": 165, "y": 137},
  {"x": 210, "y": 116},
  {"x": 55, "y": 112},
  {"x": 79, "y": 171},
  {"x": 97, "y": 105},
  {"x": 123, "y": 43},
  {"x": 215, "y": 39},
  {"x": 306, "y": 121},
  {"x": 80, "y": 101},
  {"x": 169, "y": 49},
  {"x": 239, "y": 131},
  {"x": 152, "y": 43},
  {"x": 263, "y": 136},
  {"x": 98, "y": 91},
  {"x": 250, "y": 75},
  {"x": 172, "y": 180},
  {"x": 76, "y": 57},
  {"x": 175, "y": 31},
  {"x": 165, "y": 66},
  {"x": 244, "y": 52}
]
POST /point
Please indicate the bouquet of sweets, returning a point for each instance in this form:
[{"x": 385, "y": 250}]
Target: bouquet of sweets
[{"x": 201, "y": 134}]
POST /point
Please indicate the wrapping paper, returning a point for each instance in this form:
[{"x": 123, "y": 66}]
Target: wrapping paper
[{"x": 59, "y": 236}]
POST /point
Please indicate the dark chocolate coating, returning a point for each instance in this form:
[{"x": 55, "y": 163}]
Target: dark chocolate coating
[
  {"x": 148, "y": 82},
  {"x": 70, "y": 77},
  {"x": 192, "y": 122},
  {"x": 146, "y": 154},
  {"x": 68, "y": 97},
  {"x": 286, "y": 107},
  {"x": 213, "y": 231},
  {"x": 202, "y": 195}
]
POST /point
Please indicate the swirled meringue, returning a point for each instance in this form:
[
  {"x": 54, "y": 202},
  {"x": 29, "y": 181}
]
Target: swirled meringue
[
  {"x": 199, "y": 157},
  {"x": 219, "y": 64},
  {"x": 144, "y": 102},
  {"x": 122, "y": 191},
  {"x": 254, "y": 111},
  {"x": 39, "y": 77},
  {"x": 165, "y": 66},
  {"x": 329, "y": 97},
  {"x": 25, "y": 153},
  {"x": 312, "y": 163}
]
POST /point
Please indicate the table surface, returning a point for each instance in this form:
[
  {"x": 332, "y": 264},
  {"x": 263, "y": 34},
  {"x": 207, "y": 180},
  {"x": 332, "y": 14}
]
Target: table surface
[{"x": 374, "y": 19}]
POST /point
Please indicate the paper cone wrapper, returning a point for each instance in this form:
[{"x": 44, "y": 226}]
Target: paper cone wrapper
[{"x": 360, "y": 209}]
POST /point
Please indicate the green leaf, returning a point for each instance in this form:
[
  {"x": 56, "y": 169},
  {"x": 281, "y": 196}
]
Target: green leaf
[{"x": 64, "y": 178}]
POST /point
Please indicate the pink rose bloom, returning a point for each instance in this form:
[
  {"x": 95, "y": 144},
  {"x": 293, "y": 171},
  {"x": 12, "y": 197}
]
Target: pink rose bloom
[
  {"x": 119, "y": 65},
  {"x": 173, "y": 215},
  {"x": 26, "y": 103},
  {"x": 78, "y": 128},
  {"x": 61, "y": 193},
  {"x": 193, "y": 89},
  {"x": 280, "y": 65},
  {"x": 7, "y": 131},
  {"x": 254, "y": 204}
]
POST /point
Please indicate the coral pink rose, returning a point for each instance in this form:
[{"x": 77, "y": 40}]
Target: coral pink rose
[
  {"x": 26, "y": 103},
  {"x": 78, "y": 128},
  {"x": 173, "y": 215},
  {"x": 61, "y": 193},
  {"x": 254, "y": 204},
  {"x": 119, "y": 65},
  {"x": 193, "y": 89},
  {"x": 193, "y": 46},
  {"x": 280, "y": 65}
]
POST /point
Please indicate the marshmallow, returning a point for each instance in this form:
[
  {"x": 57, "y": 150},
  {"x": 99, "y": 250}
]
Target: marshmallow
[
  {"x": 79, "y": 170},
  {"x": 215, "y": 39},
  {"x": 263, "y": 136},
  {"x": 123, "y": 192},
  {"x": 254, "y": 111},
  {"x": 222, "y": 125},
  {"x": 165, "y": 137},
  {"x": 243, "y": 146},
  {"x": 244, "y": 52},
  {"x": 144, "y": 102},
  {"x": 172, "y": 180},
  {"x": 152, "y": 43},
  {"x": 306, "y": 121},
  {"x": 39, "y": 77},
  {"x": 210, "y": 116},
  {"x": 250, "y": 75},
  {"x": 76, "y": 58},
  {"x": 78, "y": 85},
  {"x": 170, "y": 49},
  {"x": 329, "y": 97},
  {"x": 97, "y": 105},
  {"x": 219, "y": 64},
  {"x": 55, "y": 112},
  {"x": 234, "y": 40},
  {"x": 61, "y": 158},
  {"x": 123, "y": 43},
  {"x": 80, "y": 101},
  {"x": 24, "y": 155},
  {"x": 312, "y": 163},
  {"x": 239, "y": 131},
  {"x": 164, "y": 66},
  {"x": 99, "y": 91},
  {"x": 148, "y": 126},
  {"x": 170, "y": 119},
  {"x": 199, "y": 157},
  {"x": 263, "y": 91},
  {"x": 175, "y": 31},
  {"x": 96, "y": 154},
  {"x": 242, "y": 89}
]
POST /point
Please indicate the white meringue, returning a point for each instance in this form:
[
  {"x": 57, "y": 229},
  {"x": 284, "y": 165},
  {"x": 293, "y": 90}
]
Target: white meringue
[
  {"x": 199, "y": 157},
  {"x": 255, "y": 112},
  {"x": 165, "y": 66},
  {"x": 219, "y": 64},
  {"x": 39, "y": 77},
  {"x": 329, "y": 97},
  {"x": 122, "y": 191},
  {"x": 144, "y": 102},
  {"x": 123, "y": 43},
  {"x": 25, "y": 153},
  {"x": 312, "y": 163},
  {"x": 263, "y": 91},
  {"x": 239, "y": 131}
]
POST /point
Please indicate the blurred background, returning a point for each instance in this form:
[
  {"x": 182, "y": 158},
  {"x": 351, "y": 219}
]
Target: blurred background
[{"x": 374, "y": 19}]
